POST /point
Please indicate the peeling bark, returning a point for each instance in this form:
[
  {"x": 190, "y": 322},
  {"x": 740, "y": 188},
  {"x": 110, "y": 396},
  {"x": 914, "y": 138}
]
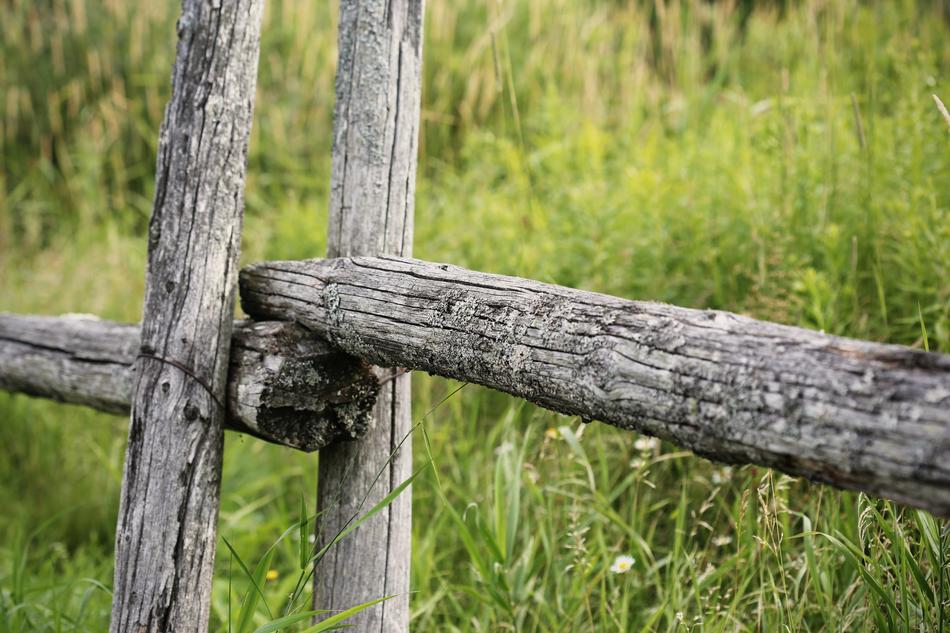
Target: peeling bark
[
  {"x": 850, "y": 413},
  {"x": 285, "y": 385}
]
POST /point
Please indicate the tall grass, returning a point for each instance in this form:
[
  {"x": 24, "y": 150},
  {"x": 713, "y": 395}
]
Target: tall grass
[{"x": 781, "y": 159}]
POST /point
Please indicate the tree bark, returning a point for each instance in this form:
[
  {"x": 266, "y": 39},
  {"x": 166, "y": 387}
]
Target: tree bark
[
  {"x": 165, "y": 538},
  {"x": 372, "y": 193},
  {"x": 849, "y": 413},
  {"x": 285, "y": 385}
]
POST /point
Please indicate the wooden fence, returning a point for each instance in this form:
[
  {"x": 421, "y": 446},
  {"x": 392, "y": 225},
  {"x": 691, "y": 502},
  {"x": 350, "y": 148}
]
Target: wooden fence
[{"x": 849, "y": 413}]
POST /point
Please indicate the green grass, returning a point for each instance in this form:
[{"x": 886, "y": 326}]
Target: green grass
[{"x": 790, "y": 166}]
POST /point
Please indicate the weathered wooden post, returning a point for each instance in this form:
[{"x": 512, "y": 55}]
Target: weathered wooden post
[
  {"x": 375, "y": 140},
  {"x": 165, "y": 539}
]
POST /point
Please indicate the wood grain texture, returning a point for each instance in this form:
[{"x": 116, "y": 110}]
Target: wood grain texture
[
  {"x": 285, "y": 385},
  {"x": 165, "y": 538},
  {"x": 372, "y": 189},
  {"x": 849, "y": 413}
]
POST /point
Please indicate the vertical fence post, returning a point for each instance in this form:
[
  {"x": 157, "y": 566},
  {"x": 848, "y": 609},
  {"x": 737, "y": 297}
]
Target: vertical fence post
[
  {"x": 375, "y": 142},
  {"x": 165, "y": 538}
]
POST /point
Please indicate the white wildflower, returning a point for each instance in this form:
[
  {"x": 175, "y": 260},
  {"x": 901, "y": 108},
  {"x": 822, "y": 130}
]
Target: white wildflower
[
  {"x": 646, "y": 444},
  {"x": 722, "y": 475},
  {"x": 504, "y": 448},
  {"x": 721, "y": 541},
  {"x": 622, "y": 564}
]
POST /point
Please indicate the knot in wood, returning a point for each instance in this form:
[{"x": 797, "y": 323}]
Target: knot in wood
[{"x": 191, "y": 412}]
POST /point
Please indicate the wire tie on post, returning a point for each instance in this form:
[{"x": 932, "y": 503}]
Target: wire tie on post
[{"x": 187, "y": 372}]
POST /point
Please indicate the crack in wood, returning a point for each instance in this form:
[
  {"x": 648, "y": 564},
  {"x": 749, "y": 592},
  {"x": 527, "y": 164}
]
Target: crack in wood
[{"x": 850, "y": 413}]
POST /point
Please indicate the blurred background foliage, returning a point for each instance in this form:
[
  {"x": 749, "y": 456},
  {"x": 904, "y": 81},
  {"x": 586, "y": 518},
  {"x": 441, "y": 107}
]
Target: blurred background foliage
[{"x": 781, "y": 159}]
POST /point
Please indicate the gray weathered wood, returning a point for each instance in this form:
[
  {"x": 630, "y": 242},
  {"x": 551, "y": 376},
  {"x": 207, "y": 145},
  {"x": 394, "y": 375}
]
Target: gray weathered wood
[
  {"x": 850, "y": 413},
  {"x": 285, "y": 385},
  {"x": 372, "y": 190},
  {"x": 165, "y": 538}
]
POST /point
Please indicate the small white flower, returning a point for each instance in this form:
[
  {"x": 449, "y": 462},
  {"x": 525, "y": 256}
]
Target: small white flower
[
  {"x": 504, "y": 448},
  {"x": 721, "y": 476},
  {"x": 721, "y": 541},
  {"x": 312, "y": 538},
  {"x": 622, "y": 564},
  {"x": 646, "y": 444}
]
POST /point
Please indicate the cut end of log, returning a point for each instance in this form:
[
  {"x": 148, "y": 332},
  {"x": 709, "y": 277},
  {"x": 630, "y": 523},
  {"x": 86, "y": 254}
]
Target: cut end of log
[{"x": 292, "y": 388}]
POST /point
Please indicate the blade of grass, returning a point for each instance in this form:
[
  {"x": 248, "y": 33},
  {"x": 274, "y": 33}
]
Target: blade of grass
[
  {"x": 333, "y": 621},
  {"x": 303, "y": 545},
  {"x": 388, "y": 499},
  {"x": 256, "y": 584},
  {"x": 287, "y": 620}
]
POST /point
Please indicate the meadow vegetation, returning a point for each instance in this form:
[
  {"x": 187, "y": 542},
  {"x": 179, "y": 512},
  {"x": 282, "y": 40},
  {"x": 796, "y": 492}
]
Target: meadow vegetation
[{"x": 780, "y": 159}]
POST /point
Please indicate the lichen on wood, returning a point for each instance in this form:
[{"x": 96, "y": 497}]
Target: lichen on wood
[{"x": 850, "y": 413}]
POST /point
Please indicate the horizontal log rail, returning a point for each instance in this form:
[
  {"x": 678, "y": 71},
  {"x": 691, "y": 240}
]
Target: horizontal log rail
[
  {"x": 850, "y": 413},
  {"x": 284, "y": 385}
]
